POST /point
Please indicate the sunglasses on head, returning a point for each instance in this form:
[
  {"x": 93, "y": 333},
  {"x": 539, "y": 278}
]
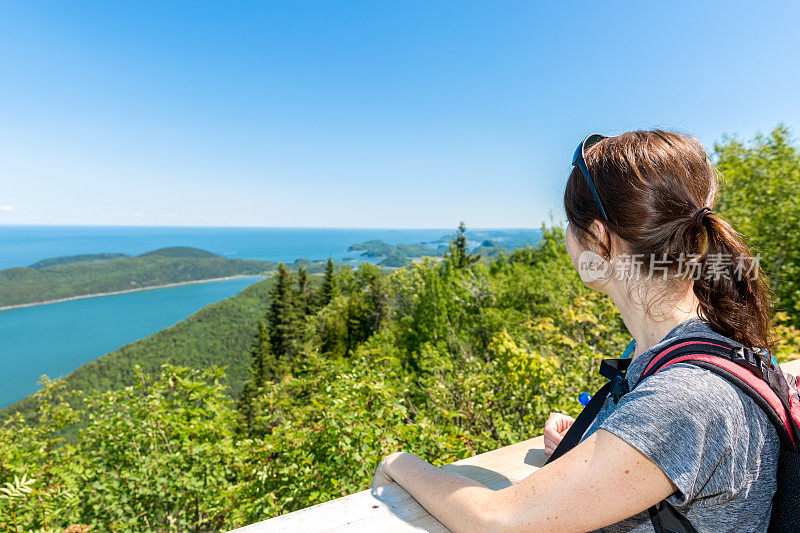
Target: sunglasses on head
[{"x": 579, "y": 161}]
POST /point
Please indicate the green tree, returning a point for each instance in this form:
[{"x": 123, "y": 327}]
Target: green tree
[
  {"x": 39, "y": 470},
  {"x": 259, "y": 375},
  {"x": 459, "y": 255},
  {"x": 760, "y": 195},
  {"x": 285, "y": 322},
  {"x": 359, "y": 308},
  {"x": 328, "y": 289},
  {"x": 305, "y": 295},
  {"x": 367, "y": 305},
  {"x": 160, "y": 456}
]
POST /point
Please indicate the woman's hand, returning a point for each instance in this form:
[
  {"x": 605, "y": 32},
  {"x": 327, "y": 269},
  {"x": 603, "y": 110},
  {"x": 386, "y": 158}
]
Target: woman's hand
[
  {"x": 554, "y": 430},
  {"x": 382, "y": 476}
]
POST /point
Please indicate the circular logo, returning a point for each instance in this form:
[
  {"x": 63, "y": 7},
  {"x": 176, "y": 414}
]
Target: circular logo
[{"x": 593, "y": 267}]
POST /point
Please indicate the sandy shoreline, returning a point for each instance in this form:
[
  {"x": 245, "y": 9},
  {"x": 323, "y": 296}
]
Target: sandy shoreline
[{"x": 94, "y": 295}]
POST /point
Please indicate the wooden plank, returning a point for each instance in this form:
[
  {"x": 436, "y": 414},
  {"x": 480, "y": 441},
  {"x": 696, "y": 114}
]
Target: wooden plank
[
  {"x": 793, "y": 367},
  {"x": 390, "y": 506},
  {"x": 391, "y": 509}
]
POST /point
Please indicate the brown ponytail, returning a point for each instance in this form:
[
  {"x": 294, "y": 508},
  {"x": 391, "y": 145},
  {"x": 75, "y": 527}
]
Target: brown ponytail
[{"x": 658, "y": 189}]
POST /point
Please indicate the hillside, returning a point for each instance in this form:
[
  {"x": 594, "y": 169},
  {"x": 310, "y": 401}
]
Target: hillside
[
  {"x": 82, "y": 258},
  {"x": 219, "y": 334},
  {"x": 65, "y": 277}
]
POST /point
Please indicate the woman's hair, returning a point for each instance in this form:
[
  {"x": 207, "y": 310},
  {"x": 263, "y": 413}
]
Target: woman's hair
[{"x": 653, "y": 185}]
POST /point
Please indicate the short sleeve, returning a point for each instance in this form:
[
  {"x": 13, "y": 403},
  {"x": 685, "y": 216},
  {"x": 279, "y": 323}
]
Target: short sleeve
[{"x": 691, "y": 423}]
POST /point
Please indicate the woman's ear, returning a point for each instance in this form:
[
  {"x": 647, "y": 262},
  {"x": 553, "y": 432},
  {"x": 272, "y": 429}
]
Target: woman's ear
[{"x": 602, "y": 235}]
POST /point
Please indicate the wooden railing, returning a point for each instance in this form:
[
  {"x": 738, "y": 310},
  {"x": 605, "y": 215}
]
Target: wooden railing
[{"x": 391, "y": 509}]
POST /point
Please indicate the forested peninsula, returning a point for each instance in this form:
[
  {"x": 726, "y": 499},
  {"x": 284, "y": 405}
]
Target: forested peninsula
[{"x": 94, "y": 274}]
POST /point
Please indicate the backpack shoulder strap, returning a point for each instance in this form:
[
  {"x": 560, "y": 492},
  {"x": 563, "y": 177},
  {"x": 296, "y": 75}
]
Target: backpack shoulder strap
[
  {"x": 749, "y": 370},
  {"x": 582, "y": 423},
  {"x": 702, "y": 345},
  {"x": 614, "y": 370}
]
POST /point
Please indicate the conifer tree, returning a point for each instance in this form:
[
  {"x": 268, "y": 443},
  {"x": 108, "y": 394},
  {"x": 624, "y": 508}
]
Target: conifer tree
[
  {"x": 328, "y": 289},
  {"x": 258, "y": 376},
  {"x": 305, "y": 295},
  {"x": 460, "y": 256},
  {"x": 285, "y": 322},
  {"x": 377, "y": 299}
]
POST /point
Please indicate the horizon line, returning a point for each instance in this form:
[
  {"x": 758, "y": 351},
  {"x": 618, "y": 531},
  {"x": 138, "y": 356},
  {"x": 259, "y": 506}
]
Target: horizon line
[{"x": 264, "y": 227}]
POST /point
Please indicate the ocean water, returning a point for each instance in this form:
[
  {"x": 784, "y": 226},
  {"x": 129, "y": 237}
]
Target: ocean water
[
  {"x": 55, "y": 339},
  {"x": 25, "y": 245}
]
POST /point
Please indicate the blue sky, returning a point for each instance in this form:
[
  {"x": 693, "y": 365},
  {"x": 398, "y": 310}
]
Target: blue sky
[{"x": 360, "y": 114}]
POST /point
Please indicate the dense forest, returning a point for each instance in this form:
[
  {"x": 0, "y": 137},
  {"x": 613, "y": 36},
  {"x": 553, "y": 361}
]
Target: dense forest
[
  {"x": 446, "y": 358},
  {"x": 65, "y": 277}
]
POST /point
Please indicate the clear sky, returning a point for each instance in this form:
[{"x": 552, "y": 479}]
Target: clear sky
[{"x": 360, "y": 114}]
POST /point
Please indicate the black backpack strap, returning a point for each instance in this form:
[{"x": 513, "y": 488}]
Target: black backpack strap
[
  {"x": 582, "y": 423},
  {"x": 614, "y": 369},
  {"x": 666, "y": 519}
]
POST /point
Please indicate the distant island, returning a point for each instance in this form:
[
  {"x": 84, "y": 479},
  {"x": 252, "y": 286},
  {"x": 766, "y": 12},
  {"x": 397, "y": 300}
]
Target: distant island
[
  {"x": 393, "y": 255},
  {"x": 77, "y": 276},
  {"x": 487, "y": 243}
]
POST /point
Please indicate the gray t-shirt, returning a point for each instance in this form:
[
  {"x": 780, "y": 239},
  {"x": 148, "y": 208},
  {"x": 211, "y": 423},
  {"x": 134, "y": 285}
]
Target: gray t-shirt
[{"x": 706, "y": 435}]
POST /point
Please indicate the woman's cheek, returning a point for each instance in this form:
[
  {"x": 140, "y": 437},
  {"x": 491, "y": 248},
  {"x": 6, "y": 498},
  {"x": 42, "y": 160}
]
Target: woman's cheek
[{"x": 570, "y": 244}]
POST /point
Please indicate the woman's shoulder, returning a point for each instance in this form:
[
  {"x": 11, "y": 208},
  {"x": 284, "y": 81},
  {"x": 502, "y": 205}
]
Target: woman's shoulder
[
  {"x": 707, "y": 435},
  {"x": 683, "y": 390},
  {"x": 709, "y": 438}
]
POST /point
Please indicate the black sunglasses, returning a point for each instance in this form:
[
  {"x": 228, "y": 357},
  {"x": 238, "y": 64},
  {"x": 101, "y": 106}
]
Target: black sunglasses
[{"x": 579, "y": 161}]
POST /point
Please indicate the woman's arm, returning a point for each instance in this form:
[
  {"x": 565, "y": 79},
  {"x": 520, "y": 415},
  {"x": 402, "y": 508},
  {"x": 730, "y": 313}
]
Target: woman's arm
[
  {"x": 454, "y": 500},
  {"x": 601, "y": 481}
]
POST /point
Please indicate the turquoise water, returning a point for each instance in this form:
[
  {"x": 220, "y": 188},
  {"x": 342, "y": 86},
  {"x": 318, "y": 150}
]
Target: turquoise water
[{"x": 55, "y": 339}]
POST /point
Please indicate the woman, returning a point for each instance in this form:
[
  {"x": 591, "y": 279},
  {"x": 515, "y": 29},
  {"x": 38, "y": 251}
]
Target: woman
[{"x": 641, "y": 230}]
